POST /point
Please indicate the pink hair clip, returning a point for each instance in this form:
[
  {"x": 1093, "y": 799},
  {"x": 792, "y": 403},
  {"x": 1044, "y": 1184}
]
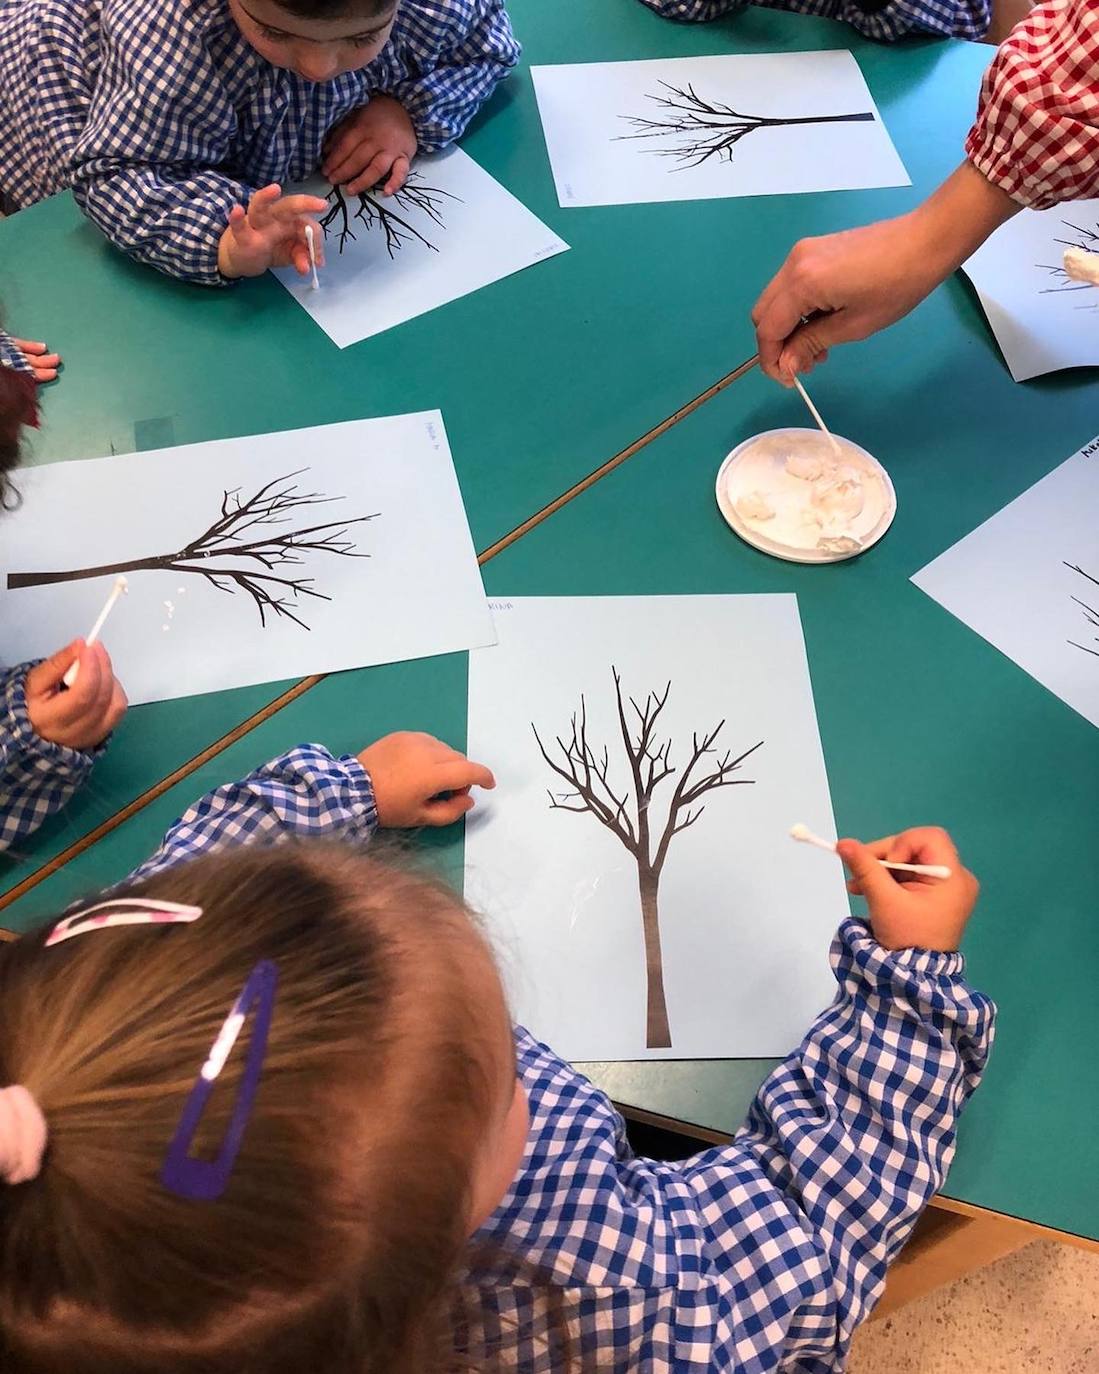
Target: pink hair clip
[{"x": 123, "y": 911}]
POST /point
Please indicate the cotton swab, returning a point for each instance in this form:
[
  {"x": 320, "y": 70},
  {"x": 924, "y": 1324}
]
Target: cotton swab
[
  {"x": 312, "y": 256},
  {"x": 815, "y": 413},
  {"x": 120, "y": 585},
  {"x": 803, "y": 833}
]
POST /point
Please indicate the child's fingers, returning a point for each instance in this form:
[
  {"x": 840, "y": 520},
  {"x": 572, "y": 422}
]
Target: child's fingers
[
  {"x": 874, "y": 881},
  {"x": 448, "y": 810},
  {"x": 372, "y": 173},
  {"x": 46, "y": 676},
  {"x": 44, "y": 374},
  {"x": 343, "y": 162},
  {"x": 261, "y": 204},
  {"x": 293, "y": 208},
  {"x": 462, "y": 773},
  {"x": 90, "y": 692},
  {"x": 299, "y": 260},
  {"x": 398, "y": 175},
  {"x": 927, "y": 844},
  {"x": 29, "y": 347}
]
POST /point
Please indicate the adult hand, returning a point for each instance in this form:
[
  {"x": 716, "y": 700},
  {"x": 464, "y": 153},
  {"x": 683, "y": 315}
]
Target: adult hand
[
  {"x": 80, "y": 716},
  {"x": 270, "y": 233},
  {"x": 44, "y": 364},
  {"x": 374, "y": 143},
  {"x": 419, "y": 780},
  {"x": 847, "y": 286},
  {"x": 906, "y": 910}
]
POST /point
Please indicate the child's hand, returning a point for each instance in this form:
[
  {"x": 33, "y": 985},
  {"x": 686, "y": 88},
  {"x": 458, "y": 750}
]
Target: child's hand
[
  {"x": 44, "y": 365},
  {"x": 270, "y": 233},
  {"x": 412, "y": 771},
  {"x": 80, "y": 716},
  {"x": 373, "y": 143},
  {"x": 907, "y": 911}
]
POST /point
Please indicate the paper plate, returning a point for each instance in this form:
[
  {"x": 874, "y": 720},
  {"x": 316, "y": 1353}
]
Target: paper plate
[{"x": 792, "y": 553}]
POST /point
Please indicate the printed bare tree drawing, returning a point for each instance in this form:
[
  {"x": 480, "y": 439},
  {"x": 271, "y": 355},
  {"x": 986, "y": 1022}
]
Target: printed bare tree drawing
[
  {"x": 246, "y": 549},
  {"x": 1088, "y": 239},
  {"x": 627, "y": 810},
  {"x": 693, "y": 130},
  {"x": 1091, "y": 615},
  {"x": 386, "y": 213}
]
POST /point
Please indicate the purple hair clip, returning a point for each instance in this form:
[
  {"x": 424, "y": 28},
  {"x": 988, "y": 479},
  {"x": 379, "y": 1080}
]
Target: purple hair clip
[{"x": 203, "y": 1180}]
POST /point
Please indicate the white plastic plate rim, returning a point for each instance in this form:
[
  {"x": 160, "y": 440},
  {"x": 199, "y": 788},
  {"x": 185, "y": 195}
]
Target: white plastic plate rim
[{"x": 774, "y": 547}]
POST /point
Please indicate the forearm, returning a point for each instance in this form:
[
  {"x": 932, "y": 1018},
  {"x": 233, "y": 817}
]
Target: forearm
[
  {"x": 37, "y": 777},
  {"x": 305, "y": 793},
  {"x": 857, "y": 1127},
  {"x": 955, "y": 220},
  {"x": 174, "y": 225},
  {"x": 442, "y": 101}
]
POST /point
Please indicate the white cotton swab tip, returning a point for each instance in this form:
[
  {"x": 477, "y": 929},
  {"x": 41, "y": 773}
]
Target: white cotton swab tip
[
  {"x": 805, "y": 835},
  {"x": 315, "y": 285},
  {"x": 815, "y": 413},
  {"x": 120, "y": 586}
]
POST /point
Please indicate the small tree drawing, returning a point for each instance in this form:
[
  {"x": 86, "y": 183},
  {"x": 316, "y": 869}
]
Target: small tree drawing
[
  {"x": 377, "y": 212},
  {"x": 694, "y": 130},
  {"x": 1091, "y": 615},
  {"x": 627, "y": 813},
  {"x": 237, "y": 553},
  {"x": 1088, "y": 239}
]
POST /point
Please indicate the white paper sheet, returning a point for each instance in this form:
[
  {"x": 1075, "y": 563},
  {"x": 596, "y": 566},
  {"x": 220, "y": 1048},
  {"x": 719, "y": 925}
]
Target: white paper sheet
[
  {"x": 745, "y": 913},
  {"x": 1042, "y": 321},
  {"x": 589, "y": 113},
  {"x": 474, "y": 233},
  {"x": 413, "y": 590},
  {"x": 1024, "y": 581}
]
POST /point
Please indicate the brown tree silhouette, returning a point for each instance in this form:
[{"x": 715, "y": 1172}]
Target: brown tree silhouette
[
  {"x": 1087, "y": 239},
  {"x": 696, "y": 130},
  {"x": 1091, "y": 615},
  {"x": 627, "y": 811},
  {"x": 247, "y": 556},
  {"x": 377, "y": 212}
]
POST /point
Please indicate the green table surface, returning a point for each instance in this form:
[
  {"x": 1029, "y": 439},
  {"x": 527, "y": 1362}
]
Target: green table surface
[
  {"x": 541, "y": 377},
  {"x": 921, "y": 720}
]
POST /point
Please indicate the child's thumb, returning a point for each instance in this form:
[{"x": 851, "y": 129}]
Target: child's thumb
[
  {"x": 50, "y": 671},
  {"x": 874, "y": 880}
]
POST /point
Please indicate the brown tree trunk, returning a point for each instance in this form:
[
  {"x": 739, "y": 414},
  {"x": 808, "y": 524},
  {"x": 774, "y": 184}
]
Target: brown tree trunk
[
  {"x": 45, "y": 579},
  {"x": 657, "y": 1032}
]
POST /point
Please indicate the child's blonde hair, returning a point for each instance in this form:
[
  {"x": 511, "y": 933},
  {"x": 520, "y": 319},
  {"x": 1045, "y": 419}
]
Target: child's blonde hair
[{"x": 337, "y": 1242}]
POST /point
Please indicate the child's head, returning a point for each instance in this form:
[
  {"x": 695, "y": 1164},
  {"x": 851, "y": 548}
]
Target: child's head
[
  {"x": 318, "y": 39},
  {"x": 387, "y": 1125}
]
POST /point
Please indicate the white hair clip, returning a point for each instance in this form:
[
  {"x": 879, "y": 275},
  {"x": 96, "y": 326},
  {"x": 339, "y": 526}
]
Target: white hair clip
[{"x": 124, "y": 911}]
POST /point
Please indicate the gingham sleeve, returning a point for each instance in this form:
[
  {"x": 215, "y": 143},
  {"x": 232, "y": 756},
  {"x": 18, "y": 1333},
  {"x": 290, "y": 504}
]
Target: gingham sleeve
[
  {"x": 450, "y": 70},
  {"x": 37, "y": 777},
  {"x": 158, "y": 121},
  {"x": 306, "y": 792},
  {"x": 13, "y": 357},
  {"x": 883, "y": 20},
  {"x": 760, "y": 1255},
  {"x": 1037, "y": 129}
]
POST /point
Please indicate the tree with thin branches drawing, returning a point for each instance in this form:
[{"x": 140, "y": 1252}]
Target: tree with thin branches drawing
[
  {"x": 1091, "y": 615},
  {"x": 388, "y": 214},
  {"x": 246, "y": 549},
  {"x": 693, "y": 130},
  {"x": 1087, "y": 239},
  {"x": 626, "y": 809}
]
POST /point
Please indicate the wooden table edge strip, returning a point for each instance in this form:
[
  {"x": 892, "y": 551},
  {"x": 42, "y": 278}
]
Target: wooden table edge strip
[{"x": 78, "y": 847}]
